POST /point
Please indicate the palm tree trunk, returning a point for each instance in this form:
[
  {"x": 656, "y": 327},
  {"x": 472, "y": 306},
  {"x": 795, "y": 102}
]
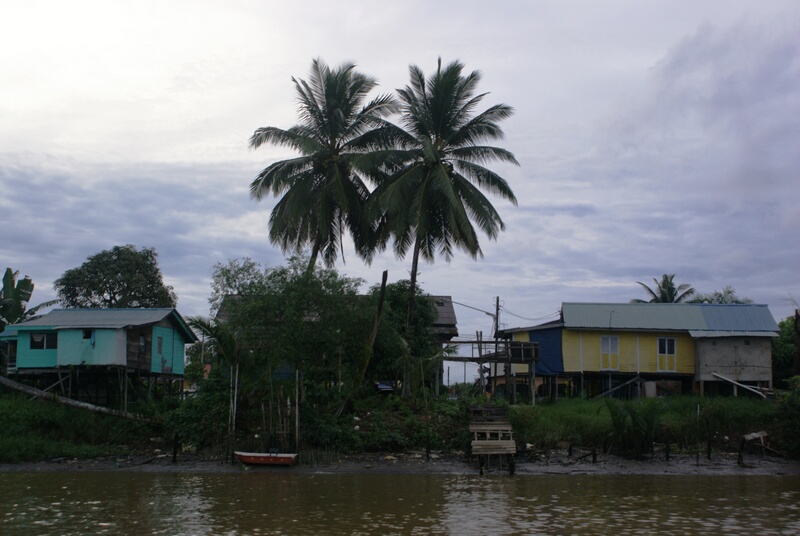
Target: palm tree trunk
[
  {"x": 313, "y": 260},
  {"x": 412, "y": 288},
  {"x": 412, "y": 294}
]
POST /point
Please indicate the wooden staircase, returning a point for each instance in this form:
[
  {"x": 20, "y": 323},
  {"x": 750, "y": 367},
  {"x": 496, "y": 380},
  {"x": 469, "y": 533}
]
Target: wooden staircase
[{"x": 492, "y": 434}]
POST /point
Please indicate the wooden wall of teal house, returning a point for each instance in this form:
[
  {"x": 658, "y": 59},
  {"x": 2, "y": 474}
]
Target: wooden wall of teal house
[
  {"x": 91, "y": 347},
  {"x": 167, "y": 351},
  {"x": 550, "y": 361},
  {"x": 28, "y": 357}
]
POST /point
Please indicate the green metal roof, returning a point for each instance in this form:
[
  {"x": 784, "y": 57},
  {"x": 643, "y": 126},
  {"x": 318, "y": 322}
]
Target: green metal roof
[{"x": 723, "y": 320}]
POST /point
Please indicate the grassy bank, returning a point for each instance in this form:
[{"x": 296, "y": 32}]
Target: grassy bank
[
  {"x": 36, "y": 430},
  {"x": 631, "y": 428}
]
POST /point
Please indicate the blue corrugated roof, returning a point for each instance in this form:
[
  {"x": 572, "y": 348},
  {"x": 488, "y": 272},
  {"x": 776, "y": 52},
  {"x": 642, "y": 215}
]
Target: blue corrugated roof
[{"x": 669, "y": 317}]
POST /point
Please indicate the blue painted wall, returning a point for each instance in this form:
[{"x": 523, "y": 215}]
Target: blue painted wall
[
  {"x": 105, "y": 347},
  {"x": 32, "y": 358},
  {"x": 551, "y": 360},
  {"x": 171, "y": 354}
]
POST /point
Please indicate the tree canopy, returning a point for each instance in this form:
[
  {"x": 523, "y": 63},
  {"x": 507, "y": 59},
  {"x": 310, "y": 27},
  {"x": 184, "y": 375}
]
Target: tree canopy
[
  {"x": 236, "y": 278},
  {"x": 725, "y": 296},
  {"x": 786, "y": 351},
  {"x": 665, "y": 291},
  {"x": 323, "y": 194},
  {"x": 116, "y": 278}
]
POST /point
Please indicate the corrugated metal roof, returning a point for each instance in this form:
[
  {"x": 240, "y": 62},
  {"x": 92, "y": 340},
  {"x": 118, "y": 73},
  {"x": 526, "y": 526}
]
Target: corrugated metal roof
[
  {"x": 445, "y": 322},
  {"x": 105, "y": 319},
  {"x": 739, "y": 318},
  {"x": 715, "y": 334},
  {"x": 669, "y": 317}
]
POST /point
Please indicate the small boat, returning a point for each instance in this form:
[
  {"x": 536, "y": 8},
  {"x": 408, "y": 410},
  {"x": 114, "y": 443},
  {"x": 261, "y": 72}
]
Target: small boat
[{"x": 265, "y": 458}]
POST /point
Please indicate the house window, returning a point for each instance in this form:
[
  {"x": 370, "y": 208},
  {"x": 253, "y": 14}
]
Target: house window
[
  {"x": 665, "y": 360},
  {"x": 609, "y": 353},
  {"x": 160, "y": 346},
  {"x": 87, "y": 333},
  {"x": 142, "y": 344},
  {"x": 44, "y": 341}
]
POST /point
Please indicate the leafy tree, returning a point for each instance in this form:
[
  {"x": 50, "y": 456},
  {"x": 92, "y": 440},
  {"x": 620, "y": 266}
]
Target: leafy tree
[
  {"x": 14, "y": 298},
  {"x": 314, "y": 324},
  {"x": 432, "y": 197},
  {"x": 785, "y": 348},
  {"x": 400, "y": 351},
  {"x": 236, "y": 278},
  {"x": 725, "y": 296},
  {"x": 322, "y": 192},
  {"x": 665, "y": 291},
  {"x": 308, "y": 320},
  {"x": 198, "y": 355},
  {"x": 116, "y": 278}
]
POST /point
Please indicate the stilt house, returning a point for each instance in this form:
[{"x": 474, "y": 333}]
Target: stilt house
[{"x": 148, "y": 341}]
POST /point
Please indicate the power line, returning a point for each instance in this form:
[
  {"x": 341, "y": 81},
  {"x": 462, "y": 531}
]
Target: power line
[
  {"x": 471, "y": 307},
  {"x": 557, "y": 313}
]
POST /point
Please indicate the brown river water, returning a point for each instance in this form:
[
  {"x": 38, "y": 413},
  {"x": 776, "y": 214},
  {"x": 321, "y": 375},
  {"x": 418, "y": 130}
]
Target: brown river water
[{"x": 280, "y": 503}]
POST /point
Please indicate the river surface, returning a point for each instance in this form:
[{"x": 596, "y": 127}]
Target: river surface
[{"x": 276, "y": 503}]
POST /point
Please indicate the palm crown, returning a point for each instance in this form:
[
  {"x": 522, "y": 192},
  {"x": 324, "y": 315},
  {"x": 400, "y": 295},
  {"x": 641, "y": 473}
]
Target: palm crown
[
  {"x": 665, "y": 291},
  {"x": 323, "y": 193},
  {"x": 430, "y": 192},
  {"x": 434, "y": 194}
]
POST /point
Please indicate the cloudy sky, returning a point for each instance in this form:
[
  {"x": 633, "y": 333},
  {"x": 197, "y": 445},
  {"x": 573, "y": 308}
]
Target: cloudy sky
[{"x": 653, "y": 137}]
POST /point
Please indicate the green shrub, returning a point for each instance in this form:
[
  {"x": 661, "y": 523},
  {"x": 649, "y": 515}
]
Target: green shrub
[
  {"x": 35, "y": 430},
  {"x": 787, "y": 429},
  {"x": 201, "y": 421}
]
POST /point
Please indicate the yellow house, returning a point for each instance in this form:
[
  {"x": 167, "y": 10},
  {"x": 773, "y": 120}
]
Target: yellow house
[{"x": 654, "y": 348}]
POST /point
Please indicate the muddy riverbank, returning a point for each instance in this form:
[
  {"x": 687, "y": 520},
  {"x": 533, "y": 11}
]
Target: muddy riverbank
[{"x": 553, "y": 462}]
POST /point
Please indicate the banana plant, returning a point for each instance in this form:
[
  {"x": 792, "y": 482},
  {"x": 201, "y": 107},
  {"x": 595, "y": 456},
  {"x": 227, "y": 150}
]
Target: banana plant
[{"x": 16, "y": 294}]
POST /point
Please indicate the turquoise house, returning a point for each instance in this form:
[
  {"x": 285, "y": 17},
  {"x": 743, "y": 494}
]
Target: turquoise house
[{"x": 150, "y": 341}]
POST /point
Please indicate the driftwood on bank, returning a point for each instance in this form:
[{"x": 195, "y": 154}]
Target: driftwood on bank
[{"x": 32, "y": 391}]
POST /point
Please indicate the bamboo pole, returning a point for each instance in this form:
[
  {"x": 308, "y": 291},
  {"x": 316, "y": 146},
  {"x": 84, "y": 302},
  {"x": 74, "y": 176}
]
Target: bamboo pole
[{"x": 31, "y": 391}]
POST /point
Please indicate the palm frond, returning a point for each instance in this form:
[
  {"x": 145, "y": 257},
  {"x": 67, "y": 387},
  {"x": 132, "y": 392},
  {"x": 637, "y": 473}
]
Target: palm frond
[{"x": 487, "y": 179}]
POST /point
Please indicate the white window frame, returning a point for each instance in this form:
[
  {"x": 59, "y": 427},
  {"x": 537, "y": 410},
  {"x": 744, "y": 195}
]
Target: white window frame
[
  {"x": 666, "y": 361},
  {"x": 47, "y": 339},
  {"x": 609, "y": 352}
]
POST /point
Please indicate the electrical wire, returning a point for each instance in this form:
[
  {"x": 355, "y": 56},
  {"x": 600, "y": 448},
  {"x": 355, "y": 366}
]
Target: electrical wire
[
  {"x": 471, "y": 307},
  {"x": 557, "y": 313}
]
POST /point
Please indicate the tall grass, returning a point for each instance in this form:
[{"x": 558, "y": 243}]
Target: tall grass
[
  {"x": 34, "y": 430},
  {"x": 634, "y": 425},
  {"x": 630, "y": 428},
  {"x": 574, "y": 421}
]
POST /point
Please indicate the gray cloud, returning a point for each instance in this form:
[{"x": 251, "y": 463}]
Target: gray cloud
[{"x": 655, "y": 140}]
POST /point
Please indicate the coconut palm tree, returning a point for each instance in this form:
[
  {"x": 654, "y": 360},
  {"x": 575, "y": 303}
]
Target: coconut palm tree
[
  {"x": 665, "y": 291},
  {"x": 429, "y": 198},
  {"x": 322, "y": 192}
]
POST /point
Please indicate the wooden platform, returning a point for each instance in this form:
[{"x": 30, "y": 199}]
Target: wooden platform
[
  {"x": 492, "y": 434},
  {"x": 492, "y": 438}
]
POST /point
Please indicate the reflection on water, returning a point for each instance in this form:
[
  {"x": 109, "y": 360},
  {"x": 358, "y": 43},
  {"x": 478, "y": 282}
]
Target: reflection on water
[{"x": 270, "y": 502}]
